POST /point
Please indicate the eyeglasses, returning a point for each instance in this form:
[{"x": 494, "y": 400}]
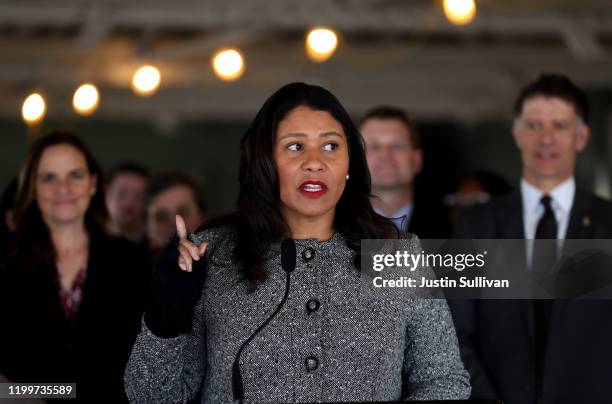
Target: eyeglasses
[
  {"x": 537, "y": 127},
  {"x": 163, "y": 216},
  {"x": 396, "y": 146}
]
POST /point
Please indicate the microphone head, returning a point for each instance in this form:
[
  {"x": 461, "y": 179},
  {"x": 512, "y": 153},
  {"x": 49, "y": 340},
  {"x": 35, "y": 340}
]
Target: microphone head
[{"x": 288, "y": 255}]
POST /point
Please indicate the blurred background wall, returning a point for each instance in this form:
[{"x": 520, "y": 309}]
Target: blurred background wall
[{"x": 458, "y": 81}]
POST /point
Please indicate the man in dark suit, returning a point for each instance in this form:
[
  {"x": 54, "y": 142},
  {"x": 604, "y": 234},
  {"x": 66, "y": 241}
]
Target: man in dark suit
[
  {"x": 541, "y": 351},
  {"x": 395, "y": 158}
]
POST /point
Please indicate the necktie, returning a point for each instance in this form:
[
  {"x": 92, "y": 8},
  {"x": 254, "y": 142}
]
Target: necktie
[
  {"x": 545, "y": 253},
  {"x": 544, "y": 257}
]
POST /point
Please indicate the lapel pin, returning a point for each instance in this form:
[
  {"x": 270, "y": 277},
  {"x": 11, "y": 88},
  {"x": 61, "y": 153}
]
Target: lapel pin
[{"x": 586, "y": 221}]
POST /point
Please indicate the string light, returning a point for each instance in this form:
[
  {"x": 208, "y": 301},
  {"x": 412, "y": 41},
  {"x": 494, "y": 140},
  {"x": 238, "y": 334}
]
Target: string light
[
  {"x": 86, "y": 99},
  {"x": 321, "y": 43},
  {"x": 146, "y": 80},
  {"x": 33, "y": 109},
  {"x": 460, "y": 12},
  {"x": 228, "y": 64}
]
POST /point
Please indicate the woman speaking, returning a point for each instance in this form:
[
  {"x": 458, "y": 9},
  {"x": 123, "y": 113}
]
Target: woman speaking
[{"x": 266, "y": 305}]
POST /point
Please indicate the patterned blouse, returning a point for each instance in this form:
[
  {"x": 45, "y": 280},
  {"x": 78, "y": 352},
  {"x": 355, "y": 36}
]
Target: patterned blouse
[{"x": 71, "y": 298}]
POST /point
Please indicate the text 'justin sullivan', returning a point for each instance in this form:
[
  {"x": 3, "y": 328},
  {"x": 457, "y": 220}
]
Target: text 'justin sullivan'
[
  {"x": 411, "y": 262},
  {"x": 445, "y": 282}
]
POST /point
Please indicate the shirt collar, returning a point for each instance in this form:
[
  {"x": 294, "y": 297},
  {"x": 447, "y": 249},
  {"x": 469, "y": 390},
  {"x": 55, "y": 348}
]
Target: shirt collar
[
  {"x": 401, "y": 212},
  {"x": 562, "y": 195}
]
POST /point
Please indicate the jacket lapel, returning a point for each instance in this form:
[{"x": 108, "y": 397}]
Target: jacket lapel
[
  {"x": 517, "y": 230},
  {"x": 580, "y": 227},
  {"x": 581, "y": 221},
  {"x": 512, "y": 217},
  {"x": 512, "y": 227},
  {"x": 91, "y": 282}
]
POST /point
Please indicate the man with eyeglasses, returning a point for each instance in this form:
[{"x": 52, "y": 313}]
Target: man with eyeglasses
[
  {"x": 395, "y": 158},
  {"x": 169, "y": 195},
  {"x": 541, "y": 351}
]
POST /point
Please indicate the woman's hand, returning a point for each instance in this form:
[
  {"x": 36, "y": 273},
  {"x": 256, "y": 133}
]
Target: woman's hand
[
  {"x": 174, "y": 291},
  {"x": 188, "y": 251}
]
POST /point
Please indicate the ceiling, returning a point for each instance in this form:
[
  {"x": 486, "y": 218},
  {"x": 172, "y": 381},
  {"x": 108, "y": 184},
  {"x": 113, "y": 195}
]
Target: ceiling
[{"x": 400, "y": 52}]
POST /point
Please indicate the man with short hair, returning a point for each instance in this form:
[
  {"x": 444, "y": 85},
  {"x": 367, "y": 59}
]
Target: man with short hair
[
  {"x": 125, "y": 189},
  {"x": 168, "y": 195},
  {"x": 395, "y": 158},
  {"x": 540, "y": 351}
]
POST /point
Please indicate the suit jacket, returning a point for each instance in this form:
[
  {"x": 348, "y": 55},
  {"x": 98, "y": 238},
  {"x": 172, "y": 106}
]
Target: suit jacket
[
  {"x": 429, "y": 220},
  {"x": 40, "y": 344},
  {"x": 497, "y": 336}
]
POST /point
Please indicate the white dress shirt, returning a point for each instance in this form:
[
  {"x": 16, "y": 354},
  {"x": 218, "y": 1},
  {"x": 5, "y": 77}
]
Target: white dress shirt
[
  {"x": 562, "y": 199},
  {"x": 400, "y": 218}
]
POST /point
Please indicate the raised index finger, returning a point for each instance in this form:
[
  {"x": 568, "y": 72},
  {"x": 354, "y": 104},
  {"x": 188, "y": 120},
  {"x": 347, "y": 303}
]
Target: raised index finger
[{"x": 181, "y": 229}]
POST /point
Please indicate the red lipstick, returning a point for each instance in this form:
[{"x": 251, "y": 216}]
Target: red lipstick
[{"x": 313, "y": 188}]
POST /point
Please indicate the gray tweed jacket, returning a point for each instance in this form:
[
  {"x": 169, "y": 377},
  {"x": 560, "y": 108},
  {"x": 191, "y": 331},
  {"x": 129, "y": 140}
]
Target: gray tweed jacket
[{"x": 356, "y": 345}]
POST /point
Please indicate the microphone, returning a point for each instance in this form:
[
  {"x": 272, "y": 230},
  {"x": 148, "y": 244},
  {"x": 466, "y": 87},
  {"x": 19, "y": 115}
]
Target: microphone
[
  {"x": 288, "y": 260},
  {"x": 288, "y": 255}
]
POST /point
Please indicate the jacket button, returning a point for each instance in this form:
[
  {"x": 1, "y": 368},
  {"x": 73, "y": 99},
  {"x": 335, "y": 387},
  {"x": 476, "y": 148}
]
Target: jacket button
[
  {"x": 311, "y": 363},
  {"x": 308, "y": 254},
  {"x": 312, "y": 305}
]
